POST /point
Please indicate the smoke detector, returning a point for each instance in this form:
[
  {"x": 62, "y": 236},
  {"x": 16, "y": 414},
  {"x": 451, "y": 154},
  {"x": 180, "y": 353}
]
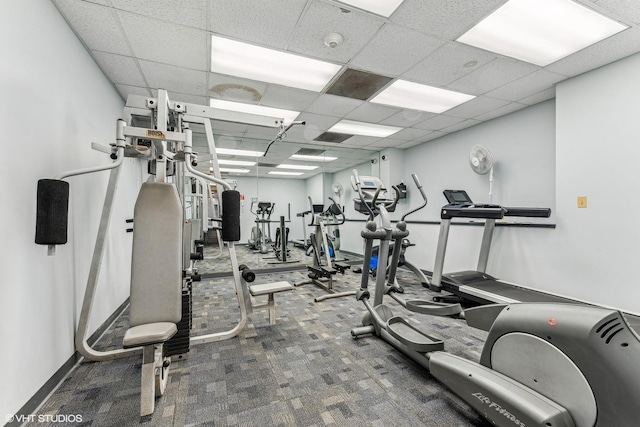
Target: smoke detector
[{"x": 333, "y": 40}]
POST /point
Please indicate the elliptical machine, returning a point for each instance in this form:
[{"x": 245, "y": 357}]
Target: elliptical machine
[
  {"x": 322, "y": 247},
  {"x": 543, "y": 364},
  {"x": 261, "y": 232},
  {"x": 369, "y": 185}
]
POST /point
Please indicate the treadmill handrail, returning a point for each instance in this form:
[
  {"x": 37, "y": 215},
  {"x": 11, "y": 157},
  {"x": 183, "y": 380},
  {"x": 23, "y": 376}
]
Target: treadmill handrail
[{"x": 491, "y": 211}]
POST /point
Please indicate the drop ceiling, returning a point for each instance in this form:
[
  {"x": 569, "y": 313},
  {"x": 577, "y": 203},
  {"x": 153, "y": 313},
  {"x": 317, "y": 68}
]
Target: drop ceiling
[{"x": 141, "y": 45}]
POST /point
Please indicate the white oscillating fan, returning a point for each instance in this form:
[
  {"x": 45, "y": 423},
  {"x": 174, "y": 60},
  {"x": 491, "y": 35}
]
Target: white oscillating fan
[
  {"x": 482, "y": 163},
  {"x": 338, "y": 190}
]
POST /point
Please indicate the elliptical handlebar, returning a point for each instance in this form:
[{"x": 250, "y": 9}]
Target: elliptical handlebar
[
  {"x": 344, "y": 218},
  {"x": 422, "y": 193},
  {"x": 355, "y": 183}
]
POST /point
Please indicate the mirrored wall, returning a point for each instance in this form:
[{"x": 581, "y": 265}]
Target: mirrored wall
[{"x": 284, "y": 187}]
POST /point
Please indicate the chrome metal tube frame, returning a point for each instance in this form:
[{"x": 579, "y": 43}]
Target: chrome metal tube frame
[
  {"x": 443, "y": 237},
  {"x": 242, "y": 292},
  {"x": 485, "y": 246},
  {"x": 120, "y": 144},
  {"x": 94, "y": 271}
]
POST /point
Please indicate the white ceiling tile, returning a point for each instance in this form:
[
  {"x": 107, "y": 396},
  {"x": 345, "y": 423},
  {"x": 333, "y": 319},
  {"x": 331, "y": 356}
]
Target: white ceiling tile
[
  {"x": 409, "y": 144},
  {"x": 261, "y": 22},
  {"x": 174, "y": 79},
  {"x": 409, "y": 134},
  {"x": 625, "y": 9},
  {"x": 183, "y": 97},
  {"x": 231, "y": 88},
  {"x": 120, "y": 69},
  {"x": 359, "y": 141},
  {"x": 476, "y": 106},
  {"x": 126, "y": 90},
  {"x": 166, "y": 42},
  {"x": 191, "y": 13},
  {"x": 371, "y": 113},
  {"x": 534, "y": 82},
  {"x": 317, "y": 122},
  {"x": 231, "y": 129},
  {"x": 287, "y": 98},
  {"x": 462, "y": 125},
  {"x": 403, "y": 48},
  {"x": 502, "y": 111},
  {"x": 448, "y": 64},
  {"x": 407, "y": 118},
  {"x": 259, "y": 132},
  {"x": 320, "y": 19},
  {"x": 443, "y": 19},
  {"x": 432, "y": 136},
  {"x": 101, "y": 2},
  {"x": 496, "y": 73},
  {"x": 388, "y": 143},
  {"x": 616, "y": 47},
  {"x": 333, "y": 105},
  {"x": 441, "y": 121},
  {"x": 97, "y": 26},
  {"x": 539, "y": 97}
]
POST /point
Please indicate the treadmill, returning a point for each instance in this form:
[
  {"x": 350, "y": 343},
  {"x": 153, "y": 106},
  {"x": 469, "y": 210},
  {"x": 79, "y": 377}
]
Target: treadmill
[{"x": 476, "y": 286}]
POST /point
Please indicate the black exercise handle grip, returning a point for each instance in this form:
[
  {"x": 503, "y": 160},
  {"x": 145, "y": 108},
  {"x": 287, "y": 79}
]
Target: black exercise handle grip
[
  {"x": 344, "y": 218},
  {"x": 248, "y": 275}
]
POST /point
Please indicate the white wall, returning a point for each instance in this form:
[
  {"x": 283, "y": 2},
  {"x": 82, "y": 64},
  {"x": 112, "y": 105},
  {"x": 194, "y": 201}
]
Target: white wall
[
  {"x": 55, "y": 102},
  {"x": 523, "y": 148},
  {"x": 315, "y": 188},
  {"x": 598, "y": 154}
]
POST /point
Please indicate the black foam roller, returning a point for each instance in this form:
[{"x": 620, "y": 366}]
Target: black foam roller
[
  {"x": 248, "y": 275},
  {"x": 230, "y": 216},
  {"x": 52, "y": 212}
]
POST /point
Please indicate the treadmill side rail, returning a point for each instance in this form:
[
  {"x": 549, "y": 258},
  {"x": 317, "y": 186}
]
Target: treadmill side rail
[{"x": 499, "y": 399}]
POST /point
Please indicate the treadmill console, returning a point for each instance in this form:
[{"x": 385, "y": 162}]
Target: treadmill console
[
  {"x": 460, "y": 205},
  {"x": 457, "y": 197},
  {"x": 369, "y": 186}
]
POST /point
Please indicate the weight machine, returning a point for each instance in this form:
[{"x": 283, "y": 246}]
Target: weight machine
[{"x": 162, "y": 275}]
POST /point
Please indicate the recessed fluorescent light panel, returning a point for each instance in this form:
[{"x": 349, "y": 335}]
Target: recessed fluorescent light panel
[
  {"x": 540, "y": 31},
  {"x": 361, "y": 128},
  {"x": 234, "y": 170},
  {"x": 286, "y": 173},
  {"x": 235, "y": 152},
  {"x": 236, "y": 162},
  {"x": 404, "y": 94},
  {"x": 268, "y": 65},
  {"x": 276, "y": 113},
  {"x": 312, "y": 158},
  {"x": 379, "y": 7},
  {"x": 299, "y": 167}
]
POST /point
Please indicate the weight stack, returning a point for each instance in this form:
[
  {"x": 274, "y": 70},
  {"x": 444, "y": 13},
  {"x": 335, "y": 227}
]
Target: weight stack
[{"x": 178, "y": 346}]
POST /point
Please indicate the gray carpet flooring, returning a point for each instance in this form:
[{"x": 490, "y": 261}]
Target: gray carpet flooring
[{"x": 306, "y": 370}]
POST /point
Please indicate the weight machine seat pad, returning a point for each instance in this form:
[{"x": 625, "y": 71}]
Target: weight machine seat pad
[
  {"x": 156, "y": 259},
  {"x": 270, "y": 288},
  {"x": 150, "y": 333}
]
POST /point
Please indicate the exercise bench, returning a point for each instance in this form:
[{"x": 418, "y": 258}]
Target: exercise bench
[{"x": 269, "y": 289}]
